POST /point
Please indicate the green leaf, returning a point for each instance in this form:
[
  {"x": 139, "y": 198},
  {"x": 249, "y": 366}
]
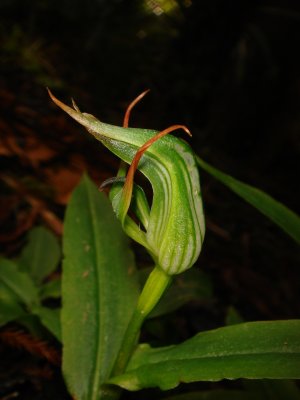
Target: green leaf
[
  {"x": 51, "y": 289},
  {"x": 50, "y": 318},
  {"x": 251, "y": 350},
  {"x": 273, "y": 209},
  {"x": 41, "y": 255},
  {"x": 18, "y": 282},
  {"x": 10, "y": 308},
  {"x": 99, "y": 290},
  {"x": 9, "y": 312}
]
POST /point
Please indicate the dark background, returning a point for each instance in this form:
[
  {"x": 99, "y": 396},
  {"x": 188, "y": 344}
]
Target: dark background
[{"x": 229, "y": 70}]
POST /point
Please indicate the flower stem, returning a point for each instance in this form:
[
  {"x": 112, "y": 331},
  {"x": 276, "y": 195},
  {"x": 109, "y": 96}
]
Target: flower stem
[{"x": 155, "y": 286}]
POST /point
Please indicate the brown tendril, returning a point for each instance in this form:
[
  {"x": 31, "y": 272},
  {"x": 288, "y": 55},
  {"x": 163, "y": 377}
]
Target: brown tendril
[{"x": 130, "y": 107}]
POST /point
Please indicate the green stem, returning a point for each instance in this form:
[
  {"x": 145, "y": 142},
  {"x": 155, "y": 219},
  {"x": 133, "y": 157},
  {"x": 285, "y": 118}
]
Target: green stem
[{"x": 154, "y": 288}]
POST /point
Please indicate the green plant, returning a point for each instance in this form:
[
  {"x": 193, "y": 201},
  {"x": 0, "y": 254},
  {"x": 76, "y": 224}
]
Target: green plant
[
  {"x": 24, "y": 286},
  {"x": 103, "y": 306},
  {"x": 173, "y": 230}
]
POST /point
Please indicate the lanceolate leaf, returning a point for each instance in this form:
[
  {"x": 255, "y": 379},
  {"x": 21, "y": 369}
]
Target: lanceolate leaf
[
  {"x": 99, "y": 291},
  {"x": 18, "y": 282},
  {"x": 10, "y": 307},
  {"x": 274, "y": 210},
  {"x": 41, "y": 255},
  {"x": 249, "y": 350}
]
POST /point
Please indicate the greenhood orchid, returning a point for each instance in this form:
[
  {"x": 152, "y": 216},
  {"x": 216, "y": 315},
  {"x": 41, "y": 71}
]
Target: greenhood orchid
[{"x": 173, "y": 228}]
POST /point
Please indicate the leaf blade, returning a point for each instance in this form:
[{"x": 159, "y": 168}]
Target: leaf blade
[
  {"x": 98, "y": 288},
  {"x": 41, "y": 255},
  {"x": 18, "y": 282},
  {"x": 251, "y": 350},
  {"x": 277, "y": 212},
  {"x": 10, "y": 310}
]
